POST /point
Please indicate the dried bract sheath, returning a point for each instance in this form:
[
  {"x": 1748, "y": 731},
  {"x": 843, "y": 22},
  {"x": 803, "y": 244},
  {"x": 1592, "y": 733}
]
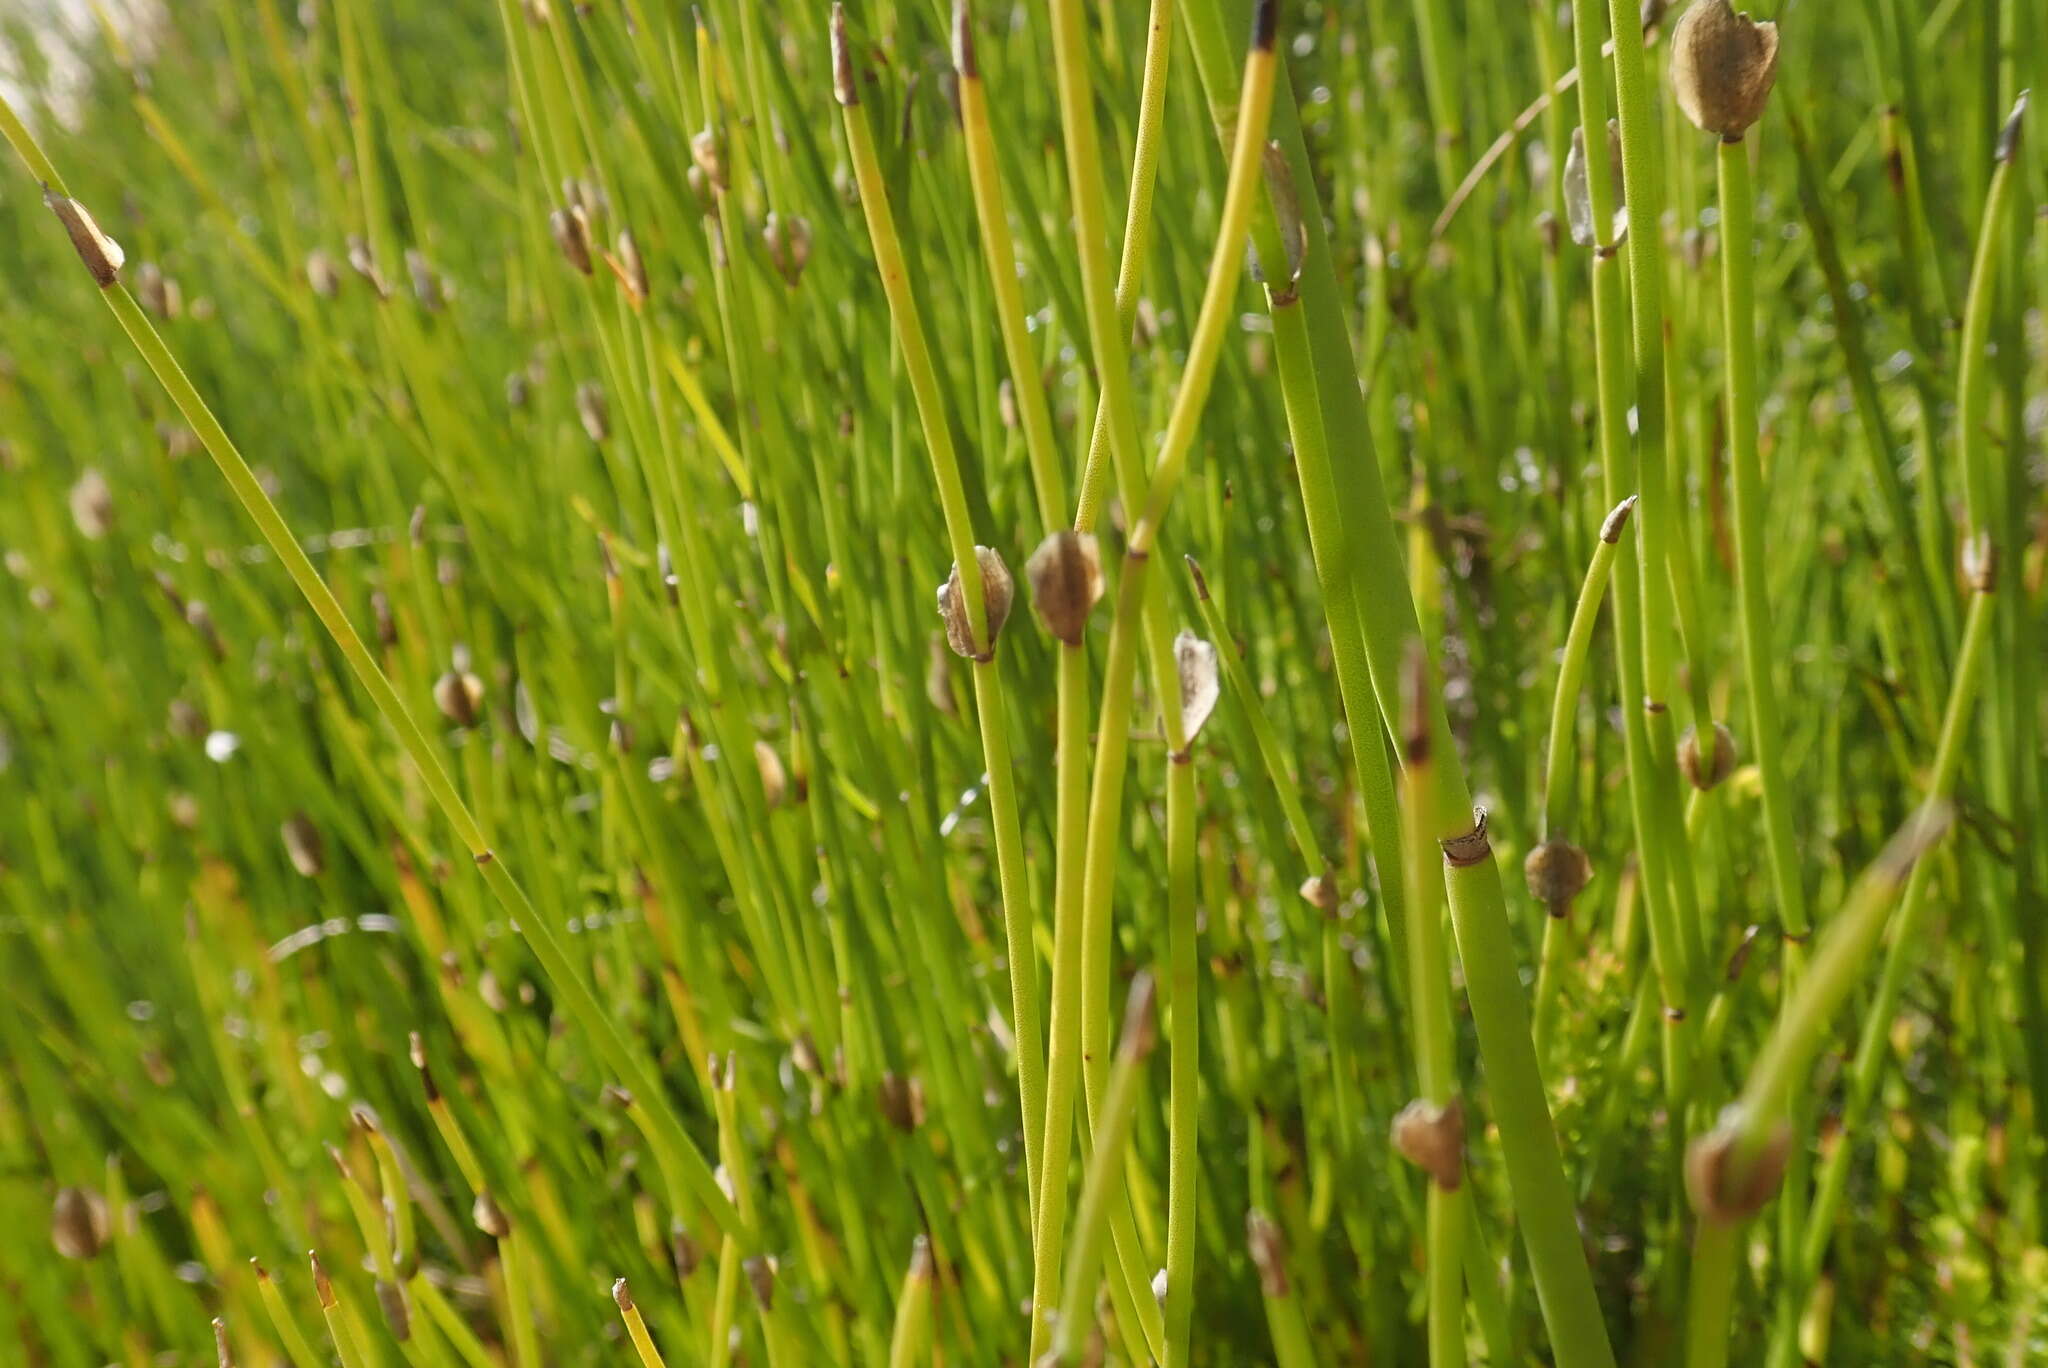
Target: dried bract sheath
[
  {"x": 997, "y": 590},
  {"x": 1728, "y": 1185},
  {"x": 709, "y": 155},
  {"x": 101, "y": 254},
  {"x": 592, "y": 409},
  {"x": 1065, "y": 574},
  {"x": 1722, "y": 67},
  {"x": 459, "y": 694},
  {"x": 1200, "y": 687}
]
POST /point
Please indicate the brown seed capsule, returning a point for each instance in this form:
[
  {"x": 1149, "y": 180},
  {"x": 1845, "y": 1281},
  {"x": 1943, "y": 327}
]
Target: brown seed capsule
[
  {"x": 1065, "y": 574},
  {"x": 997, "y": 590},
  {"x": 570, "y": 228},
  {"x": 1320, "y": 892},
  {"x": 623, "y": 1295},
  {"x": 774, "y": 779},
  {"x": 1200, "y": 687},
  {"x": 1558, "y": 872},
  {"x": 101, "y": 254},
  {"x": 761, "y": 1275},
  {"x": 686, "y": 1252},
  {"x": 155, "y": 291},
  {"x": 79, "y": 1223},
  {"x": 1433, "y": 1139},
  {"x": 459, "y": 694},
  {"x": 707, "y": 151},
  {"x": 322, "y": 274},
  {"x": 592, "y": 409},
  {"x": 1722, "y": 67},
  {"x": 92, "y": 504},
  {"x": 1693, "y": 766},
  {"x": 489, "y": 1217},
  {"x": 844, "y": 88},
  {"x": 364, "y": 263},
  {"x": 1578, "y": 190},
  {"x": 901, "y": 1101},
  {"x": 303, "y": 845},
  {"x": 789, "y": 246},
  {"x": 426, "y": 285},
  {"x": 938, "y": 679},
  {"x": 1728, "y": 1185},
  {"x": 630, "y": 266}
]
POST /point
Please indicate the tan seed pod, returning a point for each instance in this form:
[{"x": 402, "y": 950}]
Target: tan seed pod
[
  {"x": 1320, "y": 892},
  {"x": 1200, "y": 684},
  {"x": 774, "y": 779},
  {"x": 303, "y": 845},
  {"x": 938, "y": 679},
  {"x": 363, "y": 262},
  {"x": 595, "y": 413},
  {"x": 322, "y": 274},
  {"x": 1433, "y": 1139},
  {"x": 1065, "y": 574},
  {"x": 92, "y": 504},
  {"x": 1722, "y": 67},
  {"x": 901, "y": 1101},
  {"x": 489, "y": 1217},
  {"x": 1578, "y": 190},
  {"x": 997, "y": 591},
  {"x": 630, "y": 266},
  {"x": 570, "y": 228},
  {"x": 459, "y": 694},
  {"x": 708, "y": 153},
  {"x": 1269, "y": 1252},
  {"x": 426, "y": 285},
  {"x": 1726, "y": 1186},
  {"x": 101, "y": 254},
  {"x": 79, "y": 1222},
  {"x": 687, "y": 1253},
  {"x": 1693, "y": 766},
  {"x": 1558, "y": 872},
  {"x": 760, "y": 1271},
  {"x": 789, "y": 246}
]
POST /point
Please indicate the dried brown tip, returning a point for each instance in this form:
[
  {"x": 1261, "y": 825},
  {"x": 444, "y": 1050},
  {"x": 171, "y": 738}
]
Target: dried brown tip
[
  {"x": 1293, "y": 231},
  {"x": 623, "y": 1295},
  {"x": 963, "y": 42},
  {"x": 1065, "y": 574},
  {"x": 323, "y": 1287},
  {"x": 262, "y": 1273},
  {"x": 1723, "y": 65},
  {"x": 1728, "y": 1180},
  {"x": 1265, "y": 24},
  {"x": 901, "y": 1101},
  {"x": 2009, "y": 131},
  {"x": 1610, "y": 530},
  {"x": 1139, "y": 1033},
  {"x": 1558, "y": 872},
  {"x": 1200, "y": 682},
  {"x": 1470, "y": 848},
  {"x": 101, "y": 254},
  {"x": 303, "y": 846},
  {"x": 594, "y": 411},
  {"x": 1432, "y": 1138},
  {"x": 1693, "y": 765},
  {"x": 1320, "y": 892},
  {"x": 223, "y": 1356},
  {"x": 997, "y": 592},
  {"x": 843, "y": 86},
  {"x": 79, "y": 1222},
  {"x": 1201, "y": 580}
]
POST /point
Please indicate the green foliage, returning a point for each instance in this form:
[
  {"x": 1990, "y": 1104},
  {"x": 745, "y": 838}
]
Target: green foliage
[{"x": 648, "y": 551}]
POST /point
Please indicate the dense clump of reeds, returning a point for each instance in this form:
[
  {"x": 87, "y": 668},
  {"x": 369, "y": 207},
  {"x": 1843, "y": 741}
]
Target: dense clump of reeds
[{"x": 859, "y": 758}]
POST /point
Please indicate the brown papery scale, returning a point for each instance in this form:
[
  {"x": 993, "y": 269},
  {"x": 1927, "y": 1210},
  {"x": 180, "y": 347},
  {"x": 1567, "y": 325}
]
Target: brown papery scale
[
  {"x": 1723, "y": 65},
  {"x": 1065, "y": 574},
  {"x": 1693, "y": 765}
]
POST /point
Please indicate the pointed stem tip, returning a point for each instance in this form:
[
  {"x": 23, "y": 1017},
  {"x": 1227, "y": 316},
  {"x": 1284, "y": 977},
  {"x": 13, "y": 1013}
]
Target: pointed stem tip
[{"x": 2009, "y": 132}]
